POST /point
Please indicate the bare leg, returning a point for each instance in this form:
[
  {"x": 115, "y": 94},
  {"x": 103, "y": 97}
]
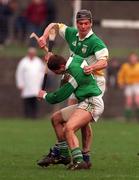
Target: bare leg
[
  {"x": 58, "y": 125},
  {"x": 86, "y": 132},
  {"x": 86, "y": 137},
  {"x": 79, "y": 119}
]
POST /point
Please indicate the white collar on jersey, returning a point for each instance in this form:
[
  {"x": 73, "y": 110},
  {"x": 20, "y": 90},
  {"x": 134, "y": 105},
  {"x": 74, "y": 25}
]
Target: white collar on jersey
[{"x": 89, "y": 34}]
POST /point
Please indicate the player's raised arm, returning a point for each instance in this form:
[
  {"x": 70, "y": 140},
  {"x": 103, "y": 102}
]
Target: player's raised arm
[
  {"x": 50, "y": 32},
  {"x": 42, "y": 40}
]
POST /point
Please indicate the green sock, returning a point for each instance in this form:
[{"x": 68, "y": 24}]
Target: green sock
[
  {"x": 63, "y": 147},
  {"x": 77, "y": 155},
  {"x": 128, "y": 113}
]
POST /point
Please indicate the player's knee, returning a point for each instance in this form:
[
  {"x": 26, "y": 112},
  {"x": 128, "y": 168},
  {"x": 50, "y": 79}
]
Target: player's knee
[{"x": 56, "y": 118}]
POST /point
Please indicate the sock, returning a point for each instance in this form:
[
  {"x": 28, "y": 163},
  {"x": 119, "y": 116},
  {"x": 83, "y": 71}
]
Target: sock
[
  {"x": 86, "y": 156},
  {"x": 56, "y": 150},
  {"x": 128, "y": 113},
  {"x": 77, "y": 155},
  {"x": 63, "y": 147}
]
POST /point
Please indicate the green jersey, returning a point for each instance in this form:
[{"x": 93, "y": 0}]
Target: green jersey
[
  {"x": 92, "y": 48},
  {"x": 82, "y": 85}
]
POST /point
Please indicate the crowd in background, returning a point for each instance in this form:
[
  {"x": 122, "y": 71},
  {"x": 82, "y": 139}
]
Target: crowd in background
[{"x": 17, "y": 22}]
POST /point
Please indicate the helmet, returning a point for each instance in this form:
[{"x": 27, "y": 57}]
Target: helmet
[{"x": 84, "y": 14}]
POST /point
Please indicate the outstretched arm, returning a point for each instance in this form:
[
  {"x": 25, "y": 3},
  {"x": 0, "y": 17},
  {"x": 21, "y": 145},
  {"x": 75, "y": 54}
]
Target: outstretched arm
[
  {"x": 42, "y": 40},
  {"x": 60, "y": 94},
  {"x": 51, "y": 31}
]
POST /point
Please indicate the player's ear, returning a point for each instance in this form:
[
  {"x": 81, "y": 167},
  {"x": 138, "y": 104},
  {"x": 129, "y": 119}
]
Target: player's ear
[{"x": 62, "y": 66}]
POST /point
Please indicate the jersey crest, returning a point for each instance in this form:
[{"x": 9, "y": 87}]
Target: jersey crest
[{"x": 84, "y": 49}]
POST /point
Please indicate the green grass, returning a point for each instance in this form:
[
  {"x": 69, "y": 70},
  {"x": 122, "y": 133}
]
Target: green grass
[{"x": 114, "y": 151}]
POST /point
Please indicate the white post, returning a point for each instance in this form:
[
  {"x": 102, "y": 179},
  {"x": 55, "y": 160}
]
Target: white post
[{"x": 76, "y": 7}]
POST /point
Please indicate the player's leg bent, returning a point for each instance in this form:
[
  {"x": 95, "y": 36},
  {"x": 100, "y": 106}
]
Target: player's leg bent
[
  {"x": 58, "y": 125},
  {"x": 90, "y": 109},
  {"x": 59, "y": 154},
  {"x": 95, "y": 106},
  {"x": 77, "y": 120},
  {"x": 86, "y": 135},
  {"x": 60, "y": 149}
]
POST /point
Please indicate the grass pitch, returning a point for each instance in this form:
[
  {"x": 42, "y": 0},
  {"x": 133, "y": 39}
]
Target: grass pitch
[{"x": 114, "y": 152}]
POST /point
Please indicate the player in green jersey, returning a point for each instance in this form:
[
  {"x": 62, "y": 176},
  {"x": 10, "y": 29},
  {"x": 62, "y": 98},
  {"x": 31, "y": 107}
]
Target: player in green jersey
[
  {"x": 89, "y": 107},
  {"x": 85, "y": 43}
]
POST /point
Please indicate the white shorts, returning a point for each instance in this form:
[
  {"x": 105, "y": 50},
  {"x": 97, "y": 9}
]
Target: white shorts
[
  {"x": 94, "y": 105},
  {"x": 131, "y": 90},
  {"x": 101, "y": 82}
]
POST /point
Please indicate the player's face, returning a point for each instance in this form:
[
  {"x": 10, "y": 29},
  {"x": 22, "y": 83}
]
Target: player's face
[
  {"x": 133, "y": 59},
  {"x": 84, "y": 26}
]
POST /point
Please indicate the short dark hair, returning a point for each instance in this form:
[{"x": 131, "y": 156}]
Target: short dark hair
[
  {"x": 84, "y": 14},
  {"x": 55, "y": 61}
]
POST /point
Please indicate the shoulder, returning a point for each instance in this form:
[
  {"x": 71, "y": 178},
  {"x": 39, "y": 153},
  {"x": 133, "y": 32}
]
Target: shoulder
[
  {"x": 97, "y": 40},
  {"x": 23, "y": 61},
  {"x": 71, "y": 30},
  {"x": 98, "y": 46},
  {"x": 62, "y": 27}
]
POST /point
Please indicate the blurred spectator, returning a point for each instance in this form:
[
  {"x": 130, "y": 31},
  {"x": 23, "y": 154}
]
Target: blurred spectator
[
  {"x": 20, "y": 26},
  {"x": 112, "y": 71},
  {"x": 18, "y": 23},
  {"x": 38, "y": 14},
  {"x": 5, "y": 12},
  {"x": 51, "y": 14},
  {"x": 128, "y": 78},
  {"x": 29, "y": 76}
]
